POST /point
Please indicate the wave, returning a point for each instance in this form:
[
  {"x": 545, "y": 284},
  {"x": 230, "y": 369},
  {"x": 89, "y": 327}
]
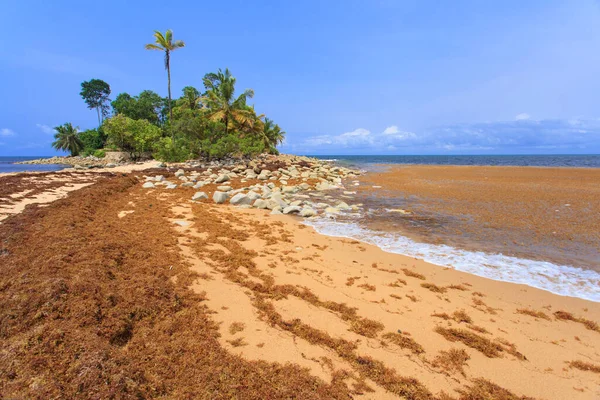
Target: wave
[{"x": 563, "y": 280}]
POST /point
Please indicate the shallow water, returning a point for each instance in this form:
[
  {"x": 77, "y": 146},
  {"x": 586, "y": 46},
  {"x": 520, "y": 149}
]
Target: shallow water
[
  {"x": 429, "y": 228},
  {"x": 7, "y": 165}
]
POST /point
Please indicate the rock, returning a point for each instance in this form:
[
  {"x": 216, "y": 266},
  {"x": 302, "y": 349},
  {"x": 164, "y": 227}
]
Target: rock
[
  {"x": 342, "y": 206},
  {"x": 222, "y": 178},
  {"x": 220, "y": 197},
  {"x": 187, "y": 184},
  {"x": 224, "y": 188},
  {"x": 148, "y": 185},
  {"x": 292, "y": 209},
  {"x": 253, "y": 196},
  {"x": 171, "y": 186},
  {"x": 159, "y": 178},
  {"x": 111, "y": 165},
  {"x": 289, "y": 189},
  {"x": 296, "y": 203},
  {"x": 332, "y": 210},
  {"x": 198, "y": 185},
  {"x": 276, "y": 211},
  {"x": 260, "y": 204},
  {"x": 240, "y": 199},
  {"x": 307, "y": 212},
  {"x": 179, "y": 173},
  {"x": 325, "y": 186},
  {"x": 199, "y": 196},
  {"x": 160, "y": 165},
  {"x": 304, "y": 186}
]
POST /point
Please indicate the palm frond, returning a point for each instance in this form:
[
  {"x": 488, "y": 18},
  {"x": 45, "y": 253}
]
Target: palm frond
[
  {"x": 178, "y": 44},
  {"x": 151, "y": 46}
]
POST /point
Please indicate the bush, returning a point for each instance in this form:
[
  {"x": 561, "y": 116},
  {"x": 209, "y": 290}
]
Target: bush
[
  {"x": 169, "y": 151},
  {"x": 93, "y": 139},
  {"x": 99, "y": 153},
  {"x": 133, "y": 136}
]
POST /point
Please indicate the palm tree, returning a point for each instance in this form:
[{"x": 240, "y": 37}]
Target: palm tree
[
  {"x": 67, "y": 139},
  {"x": 222, "y": 104},
  {"x": 271, "y": 135},
  {"x": 165, "y": 43}
]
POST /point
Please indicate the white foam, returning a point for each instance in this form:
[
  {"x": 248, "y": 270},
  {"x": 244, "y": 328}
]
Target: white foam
[{"x": 559, "y": 279}]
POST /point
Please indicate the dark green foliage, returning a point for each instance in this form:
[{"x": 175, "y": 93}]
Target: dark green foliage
[
  {"x": 147, "y": 105},
  {"x": 92, "y": 139},
  {"x": 133, "y": 136},
  {"x": 95, "y": 93}
]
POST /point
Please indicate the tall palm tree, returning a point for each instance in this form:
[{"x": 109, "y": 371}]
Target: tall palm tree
[
  {"x": 222, "y": 104},
  {"x": 165, "y": 43},
  {"x": 67, "y": 139},
  {"x": 271, "y": 135}
]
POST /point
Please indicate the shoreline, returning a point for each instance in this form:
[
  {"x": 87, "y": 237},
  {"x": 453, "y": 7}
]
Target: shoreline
[{"x": 278, "y": 292}]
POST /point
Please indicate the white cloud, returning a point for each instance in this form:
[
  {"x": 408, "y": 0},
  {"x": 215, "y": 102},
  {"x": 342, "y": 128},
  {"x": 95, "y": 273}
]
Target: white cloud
[
  {"x": 46, "y": 129},
  {"x": 6, "y": 132},
  {"x": 522, "y": 116},
  {"x": 503, "y": 136},
  {"x": 391, "y": 130}
]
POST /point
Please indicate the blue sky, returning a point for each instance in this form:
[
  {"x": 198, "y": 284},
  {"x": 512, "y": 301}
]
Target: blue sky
[{"x": 341, "y": 77}]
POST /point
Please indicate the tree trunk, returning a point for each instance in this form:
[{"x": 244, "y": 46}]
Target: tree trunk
[
  {"x": 226, "y": 123},
  {"x": 169, "y": 78},
  {"x": 99, "y": 123}
]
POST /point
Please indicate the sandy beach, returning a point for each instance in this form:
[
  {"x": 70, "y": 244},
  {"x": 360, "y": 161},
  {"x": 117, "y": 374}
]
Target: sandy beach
[{"x": 143, "y": 292}]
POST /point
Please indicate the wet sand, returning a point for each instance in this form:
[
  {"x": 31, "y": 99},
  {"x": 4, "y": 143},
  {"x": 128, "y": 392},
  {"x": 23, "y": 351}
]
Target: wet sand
[
  {"x": 154, "y": 295},
  {"x": 549, "y": 214}
]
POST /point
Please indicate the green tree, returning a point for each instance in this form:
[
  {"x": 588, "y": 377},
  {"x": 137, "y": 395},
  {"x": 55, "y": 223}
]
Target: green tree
[
  {"x": 67, "y": 139},
  {"x": 92, "y": 139},
  {"x": 95, "y": 93},
  {"x": 190, "y": 99},
  {"x": 165, "y": 43},
  {"x": 133, "y": 136},
  {"x": 147, "y": 105},
  {"x": 222, "y": 104},
  {"x": 271, "y": 135}
]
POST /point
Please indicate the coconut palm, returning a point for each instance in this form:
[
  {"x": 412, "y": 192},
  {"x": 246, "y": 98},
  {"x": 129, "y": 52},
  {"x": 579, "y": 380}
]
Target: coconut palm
[
  {"x": 165, "y": 43},
  {"x": 223, "y": 106},
  {"x": 67, "y": 139},
  {"x": 271, "y": 135}
]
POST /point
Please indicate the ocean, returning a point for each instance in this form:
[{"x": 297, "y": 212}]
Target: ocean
[
  {"x": 7, "y": 165},
  {"x": 557, "y": 160},
  {"x": 545, "y": 253}
]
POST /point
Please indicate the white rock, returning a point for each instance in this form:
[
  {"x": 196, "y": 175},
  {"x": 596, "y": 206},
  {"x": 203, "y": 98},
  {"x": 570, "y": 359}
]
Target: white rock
[
  {"x": 179, "y": 173},
  {"x": 222, "y": 178},
  {"x": 253, "y": 195},
  {"x": 260, "y": 204},
  {"x": 198, "y": 185},
  {"x": 292, "y": 209},
  {"x": 220, "y": 197},
  {"x": 224, "y": 188},
  {"x": 199, "y": 196},
  {"x": 159, "y": 178},
  {"x": 307, "y": 212},
  {"x": 148, "y": 185},
  {"x": 171, "y": 186},
  {"x": 331, "y": 210},
  {"x": 240, "y": 199},
  {"x": 276, "y": 211}
]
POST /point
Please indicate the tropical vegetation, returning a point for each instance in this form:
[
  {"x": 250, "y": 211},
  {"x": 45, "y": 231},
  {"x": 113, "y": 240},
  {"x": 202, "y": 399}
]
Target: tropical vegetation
[
  {"x": 67, "y": 139},
  {"x": 212, "y": 122}
]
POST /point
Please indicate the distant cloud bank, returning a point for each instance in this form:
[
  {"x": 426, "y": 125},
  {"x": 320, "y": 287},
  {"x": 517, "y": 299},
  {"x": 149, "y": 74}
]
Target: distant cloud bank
[{"x": 518, "y": 136}]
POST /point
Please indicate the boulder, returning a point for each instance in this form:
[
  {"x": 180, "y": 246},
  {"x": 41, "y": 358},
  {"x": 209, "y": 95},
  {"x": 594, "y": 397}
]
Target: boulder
[
  {"x": 224, "y": 188},
  {"x": 148, "y": 185},
  {"x": 307, "y": 212},
  {"x": 187, "y": 184},
  {"x": 171, "y": 186},
  {"x": 332, "y": 210},
  {"x": 222, "y": 178},
  {"x": 240, "y": 199},
  {"x": 220, "y": 197},
  {"x": 179, "y": 173},
  {"x": 292, "y": 209},
  {"x": 276, "y": 211},
  {"x": 253, "y": 196},
  {"x": 199, "y": 196},
  {"x": 260, "y": 204}
]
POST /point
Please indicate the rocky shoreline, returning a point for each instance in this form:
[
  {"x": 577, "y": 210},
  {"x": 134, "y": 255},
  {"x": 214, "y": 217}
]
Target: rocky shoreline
[
  {"x": 282, "y": 184},
  {"x": 76, "y": 162}
]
